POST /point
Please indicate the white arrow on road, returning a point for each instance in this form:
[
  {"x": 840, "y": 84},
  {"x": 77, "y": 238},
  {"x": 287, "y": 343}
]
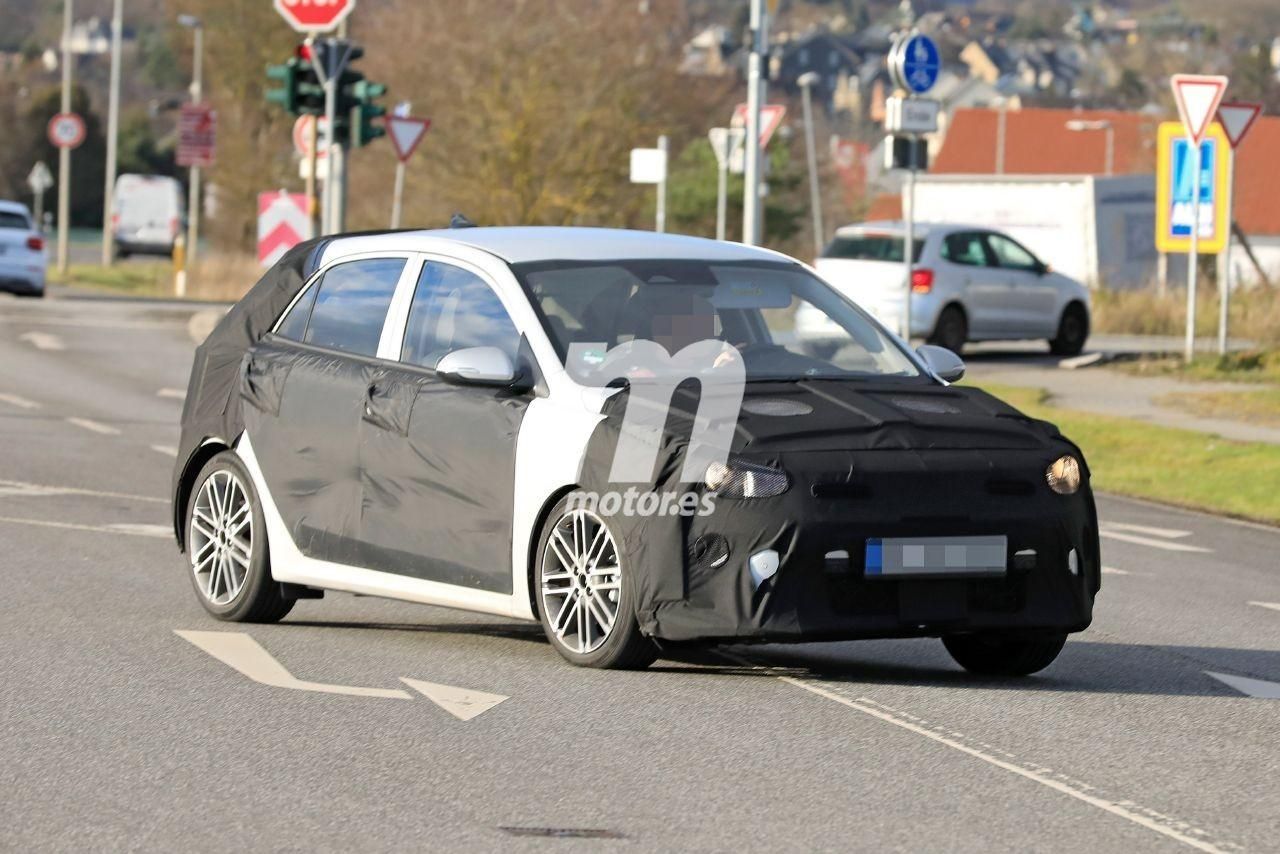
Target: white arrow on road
[
  {"x": 463, "y": 703},
  {"x": 1259, "y": 688},
  {"x": 1144, "y": 535},
  {"x": 244, "y": 655},
  {"x": 42, "y": 340}
]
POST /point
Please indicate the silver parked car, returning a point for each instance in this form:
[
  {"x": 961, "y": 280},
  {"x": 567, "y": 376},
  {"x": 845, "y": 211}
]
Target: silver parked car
[
  {"x": 22, "y": 260},
  {"x": 968, "y": 283}
]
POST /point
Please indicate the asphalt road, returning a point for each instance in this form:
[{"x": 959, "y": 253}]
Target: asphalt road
[{"x": 116, "y": 732}]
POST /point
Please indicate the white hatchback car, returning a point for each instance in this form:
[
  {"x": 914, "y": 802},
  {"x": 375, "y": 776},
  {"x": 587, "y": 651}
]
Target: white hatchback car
[
  {"x": 22, "y": 261},
  {"x": 968, "y": 283}
]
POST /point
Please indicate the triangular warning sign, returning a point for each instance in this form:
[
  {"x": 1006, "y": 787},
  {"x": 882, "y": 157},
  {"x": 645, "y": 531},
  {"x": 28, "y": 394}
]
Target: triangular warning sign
[
  {"x": 463, "y": 703},
  {"x": 1197, "y": 96},
  {"x": 1236, "y": 117},
  {"x": 405, "y": 134}
]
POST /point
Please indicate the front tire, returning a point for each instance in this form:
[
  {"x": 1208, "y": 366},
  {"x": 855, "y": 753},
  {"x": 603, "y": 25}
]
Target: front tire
[
  {"x": 586, "y": 593},
  {"x": 952, "y": 329},
  {"x": 1004, "y": 655},
  {"x": 227, "y": 546}
]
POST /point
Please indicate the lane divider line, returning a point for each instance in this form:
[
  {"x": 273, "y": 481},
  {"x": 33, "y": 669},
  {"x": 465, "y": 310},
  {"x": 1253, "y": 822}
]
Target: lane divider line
[
  {"x": 167, "y": 450},
  {"x": 1165, "y": 545},
  {"x": 175, "y": 393},
  {"x": 1111, "y": 570},
  {"x": 19, "y": 487},
  {"x": 42, "y": 340},
  {"x": 126, "y": 529},
  {"x": 1167, "y": 533},
  {"x": 244, "y": 655},
  {"x": 1259, "y": 688},
  {"x": 1127, "y": 810},
  {"x": 94, "y": 426},
  {"x": 20, "y": 402},
  {"x": 1274, "y": 606}
]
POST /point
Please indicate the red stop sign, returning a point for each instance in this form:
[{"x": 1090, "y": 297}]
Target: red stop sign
[{"x": 314, "y": 16}]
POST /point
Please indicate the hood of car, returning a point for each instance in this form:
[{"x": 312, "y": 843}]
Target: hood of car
[{"x": 845, "y": 415}]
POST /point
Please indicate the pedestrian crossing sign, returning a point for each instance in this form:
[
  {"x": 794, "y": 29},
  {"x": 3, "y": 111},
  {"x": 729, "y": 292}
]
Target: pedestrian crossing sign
[{"x": 1175, "y": 185}]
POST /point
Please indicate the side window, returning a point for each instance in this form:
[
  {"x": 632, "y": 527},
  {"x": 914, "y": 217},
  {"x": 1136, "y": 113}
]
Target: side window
[
  {"x": 964, "y": 248},
  {"x": 351, "y": 304},
  {"x": 294, "y": 325},
  {"x": 453, "y": 309},
  {"x": 1010, "y": 254}
]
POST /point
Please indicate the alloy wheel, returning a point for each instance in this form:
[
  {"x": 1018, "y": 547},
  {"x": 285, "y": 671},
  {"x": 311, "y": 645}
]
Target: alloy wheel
[
  {"x": 581, "y": 581},
  {"x": 221, "y": 537}
]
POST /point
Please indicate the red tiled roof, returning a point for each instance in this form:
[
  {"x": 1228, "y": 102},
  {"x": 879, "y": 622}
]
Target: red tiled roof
[
  {"x": 885, "y": 206},
  {"x": 1258, "y": 178},
  {"x": 1037, "y": 142}
]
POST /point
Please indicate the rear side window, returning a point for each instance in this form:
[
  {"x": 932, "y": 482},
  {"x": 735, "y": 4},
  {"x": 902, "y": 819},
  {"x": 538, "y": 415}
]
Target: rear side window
[
  {"x": 348, "y": 308},
  {"x": 1011, "y": 254},
  {"x": 454, "y": 309},
  {"x": 13, "y": 219},
  {"x": 871, "y": 247},
  {"x": 966, "y": 248}
]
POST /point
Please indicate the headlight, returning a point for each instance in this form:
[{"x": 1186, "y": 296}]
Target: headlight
[
  {"x": 1064, "y": 475},
  {"x": 741, "y": 479}
]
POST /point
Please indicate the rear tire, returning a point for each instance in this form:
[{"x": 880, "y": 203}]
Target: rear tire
[
  {"x": 1073, "y": 331},
  {"x": 227, "y": 553},
  {"x": 576, "y": 581},
  {"x": 952, "y": 329},
  {"x": 1004, "y": 654}
]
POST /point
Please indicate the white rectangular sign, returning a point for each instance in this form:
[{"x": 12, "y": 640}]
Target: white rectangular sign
[
  {"x": 648, "y": 165},
  {"x": 910, "y": 115}
]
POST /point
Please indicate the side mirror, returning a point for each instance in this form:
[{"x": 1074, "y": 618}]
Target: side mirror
[
  {"x": 477, "y": 366},
  {"x": 944, "y": 364},
  {"x": 1042, "y": 268}
]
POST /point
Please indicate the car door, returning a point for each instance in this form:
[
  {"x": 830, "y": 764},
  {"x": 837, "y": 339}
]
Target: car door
[
  {"x": 437, "y": 460},
  {"x": 304, "y": 386},
  {"x": 983, "y": 288},
  {"x": 1033, "y": 299}
]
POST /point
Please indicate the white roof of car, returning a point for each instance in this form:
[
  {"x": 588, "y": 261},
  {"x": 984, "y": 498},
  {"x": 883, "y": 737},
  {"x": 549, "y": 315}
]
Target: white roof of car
[
  {"x": 522, "y": 244},
  {"x": 14, "y": 207}
]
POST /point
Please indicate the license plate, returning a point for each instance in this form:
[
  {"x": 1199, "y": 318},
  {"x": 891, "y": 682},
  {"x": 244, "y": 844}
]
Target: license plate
[{"x": 936, "y": 557}]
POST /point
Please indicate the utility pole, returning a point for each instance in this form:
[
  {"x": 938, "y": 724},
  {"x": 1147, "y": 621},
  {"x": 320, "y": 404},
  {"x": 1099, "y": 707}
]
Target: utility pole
[
  {"x": 197, "y": 96},
  {"x": 752, "y": 219},
  {"x": 64, "y": 153},
  {"x": 807, "y": 81},
  {"x": 1189, "y": 348},
  {"x": 660, "y": 224},
  {"x": 113, "y": 138}
]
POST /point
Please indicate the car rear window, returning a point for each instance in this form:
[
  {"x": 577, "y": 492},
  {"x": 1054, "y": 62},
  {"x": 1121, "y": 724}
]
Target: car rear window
[
  {"x": 13, "y": 219},
  {"x": 870, "y": 247}
]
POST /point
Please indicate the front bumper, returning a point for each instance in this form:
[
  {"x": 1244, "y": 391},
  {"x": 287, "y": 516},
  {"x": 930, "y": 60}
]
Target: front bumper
[{"x": 813, "y": 596}]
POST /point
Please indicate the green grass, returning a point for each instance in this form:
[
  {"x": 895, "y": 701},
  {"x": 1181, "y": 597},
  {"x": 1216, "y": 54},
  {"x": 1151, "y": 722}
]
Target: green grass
[
  {"x": 1181, "y": 467},
  {"x": 134, "y": 279},
  {"x": 1254, "y": 366}
]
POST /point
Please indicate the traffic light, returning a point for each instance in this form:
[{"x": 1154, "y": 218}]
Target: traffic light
[
  {"x": 368, "y": 112},
  {"x": 300, "y": 92}
]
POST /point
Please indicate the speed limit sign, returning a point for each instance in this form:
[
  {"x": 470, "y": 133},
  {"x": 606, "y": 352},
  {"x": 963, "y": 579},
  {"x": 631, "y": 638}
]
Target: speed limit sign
[{"x": 66, "y": 130}]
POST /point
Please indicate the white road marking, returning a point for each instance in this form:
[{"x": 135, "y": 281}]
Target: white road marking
[
  {"x": 22, "y": 488},
  {"x": 20, "y": 402},
  {"x": 463, "y": 703},
  {"x": 1167, "y": 533},
  {"x": 1123, "y": 809},
  {"x": 1274, "y": 606},
  {"x": 94, "y": 426},
  {"x": 1111, "y": 570},
  {"x": 1259, "y": 688},
  {"x": 1164, "y": 545},
  {"x": 42, "y": 340},
  {"x": 129, "y": 530},
  {"x": 142, "y": 529},
  {"x": 243, "y": 654},
  {"x": 175, "y": 393},
  {"x": 167, "y": 450}
]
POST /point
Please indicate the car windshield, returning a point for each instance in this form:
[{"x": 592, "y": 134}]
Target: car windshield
[{"x": 785, "y": 323}]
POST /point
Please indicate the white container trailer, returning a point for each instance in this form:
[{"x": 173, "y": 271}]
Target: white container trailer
[{"x": 1097, "y": 230}]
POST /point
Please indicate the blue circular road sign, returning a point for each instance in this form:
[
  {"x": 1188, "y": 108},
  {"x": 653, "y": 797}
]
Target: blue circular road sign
[{"x": 918, "y": 63}]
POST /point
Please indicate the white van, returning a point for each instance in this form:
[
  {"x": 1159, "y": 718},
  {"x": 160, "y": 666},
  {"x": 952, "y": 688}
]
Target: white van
[{"x": 149, "y": 214}]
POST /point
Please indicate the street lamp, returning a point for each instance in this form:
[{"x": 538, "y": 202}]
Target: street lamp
[
  {"x": 1080, "y": 125},
  {"x": 113, "y": 137},
  {"x": 806, "y": 82},
  {"x": 194, "y": 24}
]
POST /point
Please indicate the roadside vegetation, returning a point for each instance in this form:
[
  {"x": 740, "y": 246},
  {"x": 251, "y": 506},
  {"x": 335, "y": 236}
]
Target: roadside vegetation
[
  {"x": 1180, "y": 467},
  {"x": 222, "y": 277},
  {"x": 1255, "y": 314}
]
